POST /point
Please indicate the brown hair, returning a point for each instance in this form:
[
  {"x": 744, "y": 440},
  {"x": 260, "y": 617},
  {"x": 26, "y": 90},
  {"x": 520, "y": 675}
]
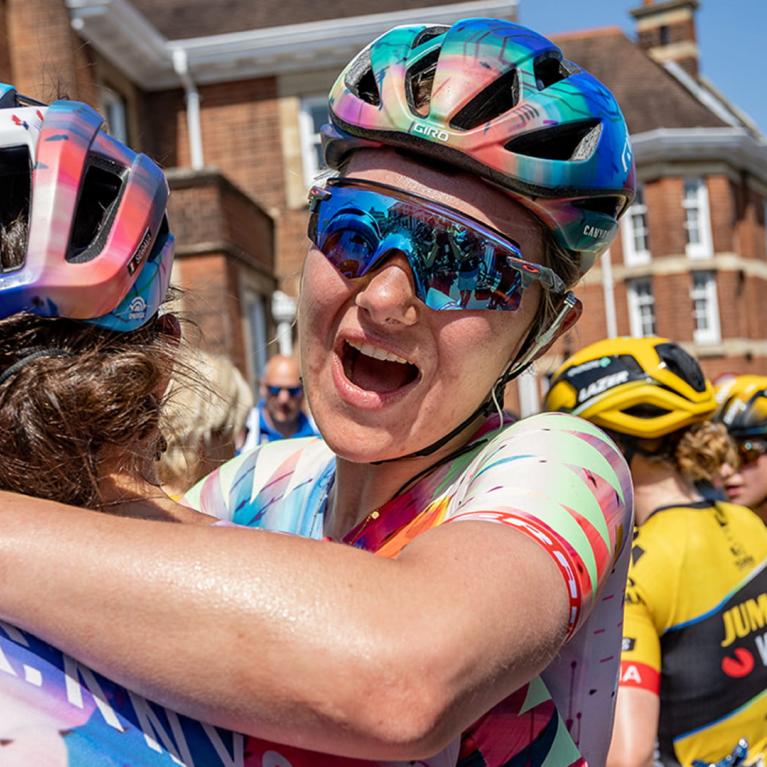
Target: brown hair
[
  {"x": 60, "y": 414},
  {"x": 702, "y": 450}
]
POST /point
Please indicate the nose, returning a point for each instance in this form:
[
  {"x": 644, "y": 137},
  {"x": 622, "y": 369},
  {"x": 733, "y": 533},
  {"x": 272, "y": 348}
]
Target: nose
[
  {"x": 727, "y": 472},
  {"x": 388, "y": 293}
]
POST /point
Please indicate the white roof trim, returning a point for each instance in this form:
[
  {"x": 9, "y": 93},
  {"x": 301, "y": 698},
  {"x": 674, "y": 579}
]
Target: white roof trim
[
  {"x": 126, "y": 38},
  {"x": 735, "y": 146}
]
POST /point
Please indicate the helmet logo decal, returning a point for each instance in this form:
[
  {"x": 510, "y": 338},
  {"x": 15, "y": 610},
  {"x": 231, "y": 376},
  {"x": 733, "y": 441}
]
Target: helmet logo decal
[
  {"x": 626, "y": 154},
  {"x": 137, "y": 309},
  {"x": 602, "y": 385},
  {"x": 586, "y": 366},
  {"x": 595, "y": 232},
  {"x": 430, "y": 132},
  {"x": 140, "y": 253}
]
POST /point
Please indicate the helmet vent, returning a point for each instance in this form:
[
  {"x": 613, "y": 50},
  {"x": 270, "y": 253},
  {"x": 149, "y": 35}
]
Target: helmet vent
[
  {"x": 361, "y": 80},
  {"x": 646, "y": 411},
  {"x": 681, "y": 364},
  {"x": 428, "y": 34},
  {"x": 15, "y": 186},
  {"x": 96, "y": 207},
  {"x": 499, "y": 97},
  {"x": 419, "y": 82},
  {"x": 573, "y": 141},
  {"x": 609, "y": 206},
  {"x": 549, "y": 69}
]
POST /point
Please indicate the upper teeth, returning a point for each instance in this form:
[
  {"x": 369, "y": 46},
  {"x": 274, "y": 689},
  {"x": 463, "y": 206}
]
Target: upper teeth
[{"x": 376, "y": 352}]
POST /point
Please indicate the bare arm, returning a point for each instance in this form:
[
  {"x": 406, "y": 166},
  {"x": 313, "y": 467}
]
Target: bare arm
[
  {"x": 636, "y": 728},
  {"x": 309, "y": 643}
]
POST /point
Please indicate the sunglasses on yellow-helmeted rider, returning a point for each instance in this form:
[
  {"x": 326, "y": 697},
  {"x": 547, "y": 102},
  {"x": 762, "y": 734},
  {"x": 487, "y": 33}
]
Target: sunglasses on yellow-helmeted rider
[{"x": 750, "y": 450}]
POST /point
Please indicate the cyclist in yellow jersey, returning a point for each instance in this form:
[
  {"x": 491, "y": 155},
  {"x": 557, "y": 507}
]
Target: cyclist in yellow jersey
[
  {"x": 694, "y": 658},
  {"x": 743, "y": 410}
]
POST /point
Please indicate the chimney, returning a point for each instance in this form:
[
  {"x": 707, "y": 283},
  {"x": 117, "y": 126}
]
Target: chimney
[{"x": 666, "y": 30}]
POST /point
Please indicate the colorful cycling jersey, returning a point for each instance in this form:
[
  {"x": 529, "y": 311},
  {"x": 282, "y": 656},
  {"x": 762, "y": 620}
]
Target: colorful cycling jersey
[
  {"x": 695, "y": 628},
  {"x": 554, "y": 478}
]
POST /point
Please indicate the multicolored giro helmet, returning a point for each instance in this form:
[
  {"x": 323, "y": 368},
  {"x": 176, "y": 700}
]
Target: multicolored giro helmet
[
  {"x": 498, "y": 100},
  {"x": 98, "y": 244},
  {"x": 742, "y": 407},
  {"x": 640, "y": 387}
]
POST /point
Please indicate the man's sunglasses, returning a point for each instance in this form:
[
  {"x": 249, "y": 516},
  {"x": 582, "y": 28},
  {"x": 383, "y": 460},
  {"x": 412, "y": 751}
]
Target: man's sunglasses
[
  {"x": 293, "y": 391},
  {"x": 457, "y": 262},
  {"x": 750, "y": 450}
]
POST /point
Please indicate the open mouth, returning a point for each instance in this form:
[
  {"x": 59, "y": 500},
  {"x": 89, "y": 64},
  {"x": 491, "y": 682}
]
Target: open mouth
[{"x": 374, "y": 369}]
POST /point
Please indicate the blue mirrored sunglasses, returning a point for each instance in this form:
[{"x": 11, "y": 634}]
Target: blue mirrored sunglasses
[
  {"x": 457, "y": 262},
  {"x": 293, "y": 391}
]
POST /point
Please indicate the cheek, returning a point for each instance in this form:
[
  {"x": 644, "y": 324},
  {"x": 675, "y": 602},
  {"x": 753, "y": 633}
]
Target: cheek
[{"x": 474, "y": 349}]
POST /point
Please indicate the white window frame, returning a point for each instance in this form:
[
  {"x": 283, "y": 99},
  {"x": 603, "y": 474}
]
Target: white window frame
[
  {"x": 699, "y": 201},
  {"x": 256, "y": 328},
  {"x": 764, "y": 218},
  {"x": 631, "y": 255},
  {"x": 115, "y": 108},
  {"x": 640, "y": 294},
  {"x": 703, "y": 287},
  {"x": 310, "y": 138}
]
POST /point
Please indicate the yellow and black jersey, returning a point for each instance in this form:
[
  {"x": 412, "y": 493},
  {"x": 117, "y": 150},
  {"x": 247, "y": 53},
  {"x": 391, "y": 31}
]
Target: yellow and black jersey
[{"x": 695, "y": 628}]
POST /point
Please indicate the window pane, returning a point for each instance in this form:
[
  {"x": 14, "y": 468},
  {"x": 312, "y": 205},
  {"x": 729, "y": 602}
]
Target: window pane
[{"x": 319, "y": 115}]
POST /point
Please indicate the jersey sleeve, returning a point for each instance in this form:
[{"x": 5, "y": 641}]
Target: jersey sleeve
[{"x": 562, "y": 482}]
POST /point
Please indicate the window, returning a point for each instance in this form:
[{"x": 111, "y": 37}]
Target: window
[
  {"x": 116, "y": 113},
  {"x": 696, "y": 218},
  {"x": 255, "y": 315},
  {"x": 641, "y": 307},
  {"x": 635, "y": 233},
  {"x": 705, "y": 308},
  {"x": 764, "y": 224},
  {"x": 313, "y": 115}
]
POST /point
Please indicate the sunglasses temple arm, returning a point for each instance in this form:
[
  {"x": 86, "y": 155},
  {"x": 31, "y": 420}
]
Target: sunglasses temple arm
[{"x": 545, "y": 338}]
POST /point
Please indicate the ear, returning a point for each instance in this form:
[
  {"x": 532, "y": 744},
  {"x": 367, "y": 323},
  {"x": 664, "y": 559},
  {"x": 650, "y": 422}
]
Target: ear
[{"x": 572, "y": 316}]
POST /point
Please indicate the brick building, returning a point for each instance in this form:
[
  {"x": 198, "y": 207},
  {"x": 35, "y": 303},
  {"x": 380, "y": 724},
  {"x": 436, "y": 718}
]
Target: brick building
[
  {"x": 229, "y": 94},
  {"x": 691, "y": 260}
]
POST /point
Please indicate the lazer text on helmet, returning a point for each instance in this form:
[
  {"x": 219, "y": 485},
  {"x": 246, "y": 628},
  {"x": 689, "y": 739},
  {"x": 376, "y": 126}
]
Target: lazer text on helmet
[{"x": 603, "y": 384}]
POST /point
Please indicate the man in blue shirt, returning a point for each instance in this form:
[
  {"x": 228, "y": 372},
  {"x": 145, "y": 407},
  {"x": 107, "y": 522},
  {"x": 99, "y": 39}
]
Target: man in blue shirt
[{"x": 279, "y": 413}]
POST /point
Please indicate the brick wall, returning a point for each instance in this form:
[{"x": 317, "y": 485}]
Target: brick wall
[
  {"x": 46, "y": 57},
  {"x": 6, "y": 75}
]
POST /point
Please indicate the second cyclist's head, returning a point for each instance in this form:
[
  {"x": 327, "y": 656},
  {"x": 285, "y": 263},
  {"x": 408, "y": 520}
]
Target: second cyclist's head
[
  {"x": 652, "y": 397},
  {"x": 85, "y": 260},
  {"x": 478, "y": 174}
]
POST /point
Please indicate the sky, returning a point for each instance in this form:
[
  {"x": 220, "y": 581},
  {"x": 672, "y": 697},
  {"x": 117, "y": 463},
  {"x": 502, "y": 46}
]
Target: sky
[{"x": 732, "y": 39}]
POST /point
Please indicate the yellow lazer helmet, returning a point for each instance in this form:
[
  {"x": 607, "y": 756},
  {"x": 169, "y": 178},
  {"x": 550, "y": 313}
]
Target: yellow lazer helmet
[
  {"x": 642, "y": 387},
  {"x": 742, "y": 404}
]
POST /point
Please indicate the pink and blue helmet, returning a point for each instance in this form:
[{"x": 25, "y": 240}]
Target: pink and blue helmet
[
  {"x": 498, "y": 100},
  {"x": 98, "y": 245}
]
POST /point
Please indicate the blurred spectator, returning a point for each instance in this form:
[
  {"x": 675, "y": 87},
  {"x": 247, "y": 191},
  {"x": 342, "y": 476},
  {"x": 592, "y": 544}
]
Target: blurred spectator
[
  {"x": 204, "y": 425},
  {"x": 279, "y": 413}
]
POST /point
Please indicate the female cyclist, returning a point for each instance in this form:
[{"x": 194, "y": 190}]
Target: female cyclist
[
  {"x": 743, "y": 410},
  {"x": 693, "y": 671},
  {"x": 437, "y": 649}
]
